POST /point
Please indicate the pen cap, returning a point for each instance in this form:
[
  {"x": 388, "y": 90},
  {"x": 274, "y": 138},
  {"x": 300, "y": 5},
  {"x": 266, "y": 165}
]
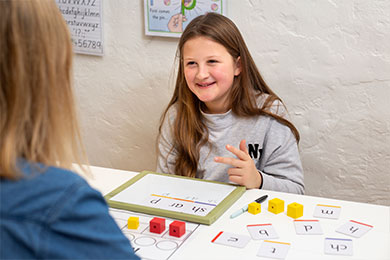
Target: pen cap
[{"x": 261, "y": 199}]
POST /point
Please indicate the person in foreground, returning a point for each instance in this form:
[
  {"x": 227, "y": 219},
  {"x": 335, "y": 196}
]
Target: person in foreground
[
  {"x": 46, "y": 211},
  {"x": 223, "y": 122}
]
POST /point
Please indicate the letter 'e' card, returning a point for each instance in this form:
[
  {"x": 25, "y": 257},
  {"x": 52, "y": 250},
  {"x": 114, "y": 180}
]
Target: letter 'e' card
[{"x": 229, "y": 239}]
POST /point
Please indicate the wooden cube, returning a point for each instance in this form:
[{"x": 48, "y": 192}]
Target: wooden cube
[
  {"x": 177, "y": 228},
  {"x": 254, "y": 208},
  {"x": 157, "y": 225},
  {"x": 276, "y": 206},
  {"x": 133, "y": 222},
  {"x": 295, "y": 210}
]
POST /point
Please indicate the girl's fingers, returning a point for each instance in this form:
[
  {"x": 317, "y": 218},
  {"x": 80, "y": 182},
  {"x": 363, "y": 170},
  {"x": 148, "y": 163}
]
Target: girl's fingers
[
  {"x": 237, "y": 152},
  {"x": 243, "y": 146},
  {"x": 236, "y": 179},
  {"x": 235, "y": 172},
  {"x": 231, "y": 161}
]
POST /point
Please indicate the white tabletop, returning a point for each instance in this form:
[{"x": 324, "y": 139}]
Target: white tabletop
[{"x": 373, "y": 245}]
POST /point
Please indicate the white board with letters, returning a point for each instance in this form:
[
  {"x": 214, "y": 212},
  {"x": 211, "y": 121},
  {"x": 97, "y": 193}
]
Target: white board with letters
[{"x": 175, "y": 196}]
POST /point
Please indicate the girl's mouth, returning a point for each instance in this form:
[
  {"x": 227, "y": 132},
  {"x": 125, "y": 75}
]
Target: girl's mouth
[{"x": 204, "y": 85}]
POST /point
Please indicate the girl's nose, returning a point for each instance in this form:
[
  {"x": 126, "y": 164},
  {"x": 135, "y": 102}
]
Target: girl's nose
[{"x": 203, "y": 72}]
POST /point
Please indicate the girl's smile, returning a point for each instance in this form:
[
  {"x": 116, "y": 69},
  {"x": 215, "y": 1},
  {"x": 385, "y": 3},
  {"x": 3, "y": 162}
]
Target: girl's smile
[
  {"x": 205, "y": 85},
  {"x": 209, "y": 71}
]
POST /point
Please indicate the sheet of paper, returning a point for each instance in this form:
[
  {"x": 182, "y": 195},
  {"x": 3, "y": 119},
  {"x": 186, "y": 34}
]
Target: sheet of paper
[
  {"x": 147, "y": 245},
  {"x": 84, "y": 19}
]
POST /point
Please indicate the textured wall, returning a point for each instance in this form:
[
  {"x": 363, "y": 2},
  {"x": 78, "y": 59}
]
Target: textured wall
[{"x": 328, "y": 60}]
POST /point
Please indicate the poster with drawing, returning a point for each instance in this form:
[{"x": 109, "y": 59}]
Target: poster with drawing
[{"x": 170, "y": 17}]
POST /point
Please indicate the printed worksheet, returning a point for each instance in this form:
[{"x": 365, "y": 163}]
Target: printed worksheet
[{"x": 148, "y": 245}]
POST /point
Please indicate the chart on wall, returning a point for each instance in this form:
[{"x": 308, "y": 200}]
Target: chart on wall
[
  {"x": 84, "y": 19},
  {"x": 170, "y": 17}
]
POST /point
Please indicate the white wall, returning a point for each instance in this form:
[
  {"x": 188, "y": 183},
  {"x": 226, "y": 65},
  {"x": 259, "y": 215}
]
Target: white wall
[{"x": 328, "y": 60}]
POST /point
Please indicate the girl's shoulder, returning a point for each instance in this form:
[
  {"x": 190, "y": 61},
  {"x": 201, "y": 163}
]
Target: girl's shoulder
[
  {"x": 170, "y": 114},
  {"x": 271, "y": 104},
  {"x": 168, "y": 119},
  {"x": 172, "y": 111}
]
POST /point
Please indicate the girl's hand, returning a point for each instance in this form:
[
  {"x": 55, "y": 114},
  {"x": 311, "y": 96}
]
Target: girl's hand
[{"x": 244, "y": 171}]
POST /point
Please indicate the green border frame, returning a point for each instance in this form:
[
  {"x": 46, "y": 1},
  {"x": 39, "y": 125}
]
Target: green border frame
[{"x": 208, "y": 219}]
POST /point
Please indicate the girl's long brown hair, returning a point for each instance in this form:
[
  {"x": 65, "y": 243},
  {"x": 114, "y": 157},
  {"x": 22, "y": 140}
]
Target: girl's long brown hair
[
  {"x": 37, "y": 115},
  {"x": 189, "y": 129}
]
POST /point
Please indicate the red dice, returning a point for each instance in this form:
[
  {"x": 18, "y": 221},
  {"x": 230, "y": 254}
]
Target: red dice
[
  {"x": 177, "y": 228},
  {"x": 157, "y": 225}
]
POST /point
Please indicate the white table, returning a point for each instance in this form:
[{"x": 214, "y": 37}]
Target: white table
[{"x": 373, "y": 245}]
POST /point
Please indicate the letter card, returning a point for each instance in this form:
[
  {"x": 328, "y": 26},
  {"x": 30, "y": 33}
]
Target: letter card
[
  {"x": 354, "y": 229},
  {"x": 308, "y": 227},
  {"x": 262, "y": 231},
  {"x": 229, "y": 239},
  {"x": 327, "y": 211},
  {"x": 273, "y": 249},
  {"x": 338, "y": 246}
]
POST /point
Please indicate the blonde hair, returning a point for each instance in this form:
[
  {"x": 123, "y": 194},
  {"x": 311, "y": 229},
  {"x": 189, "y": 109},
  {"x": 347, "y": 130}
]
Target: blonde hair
[
  {"x": 37, "y": 115},
  {"x": 189, "y": 130}
]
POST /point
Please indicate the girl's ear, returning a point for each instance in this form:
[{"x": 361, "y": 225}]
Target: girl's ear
[{"x": 237, "y": 66}]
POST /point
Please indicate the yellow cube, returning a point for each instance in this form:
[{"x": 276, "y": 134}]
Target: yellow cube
[
  {"x": 254, "y": 208},
  {"x": 133, "y": 223},
  {"x": 276, "y": 206},
  {"x": 295, "y": 210}
]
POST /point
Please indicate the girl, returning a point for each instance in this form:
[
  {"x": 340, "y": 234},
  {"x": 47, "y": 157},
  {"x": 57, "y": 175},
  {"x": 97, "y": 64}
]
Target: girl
[
  {"x": 46, "y": 212},
  {"x": 221, "y": 100}
]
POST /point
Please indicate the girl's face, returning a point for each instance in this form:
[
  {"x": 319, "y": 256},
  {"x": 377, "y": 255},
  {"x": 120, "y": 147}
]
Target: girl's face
[{"x": 209, "y": 71}]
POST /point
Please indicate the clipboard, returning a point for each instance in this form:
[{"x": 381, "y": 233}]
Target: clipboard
[{"x": 177, "y": 197}]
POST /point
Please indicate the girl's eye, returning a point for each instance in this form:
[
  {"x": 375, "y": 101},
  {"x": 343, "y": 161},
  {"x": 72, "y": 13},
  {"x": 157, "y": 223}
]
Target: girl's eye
[
  {"x": 212, "y": 61},
  {"x": 190, "y": 63}
]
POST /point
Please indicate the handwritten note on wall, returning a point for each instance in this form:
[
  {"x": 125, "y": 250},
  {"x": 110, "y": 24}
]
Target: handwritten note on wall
[{"x": 84, "y": 18}]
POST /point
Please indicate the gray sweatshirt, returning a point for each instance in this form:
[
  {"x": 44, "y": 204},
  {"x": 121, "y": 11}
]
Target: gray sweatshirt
[{"x": 271, "y": 145}]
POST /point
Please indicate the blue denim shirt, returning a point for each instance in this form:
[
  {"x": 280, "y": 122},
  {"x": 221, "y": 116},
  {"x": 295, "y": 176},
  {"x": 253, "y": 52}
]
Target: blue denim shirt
[{"x": 55, "y": 215}]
